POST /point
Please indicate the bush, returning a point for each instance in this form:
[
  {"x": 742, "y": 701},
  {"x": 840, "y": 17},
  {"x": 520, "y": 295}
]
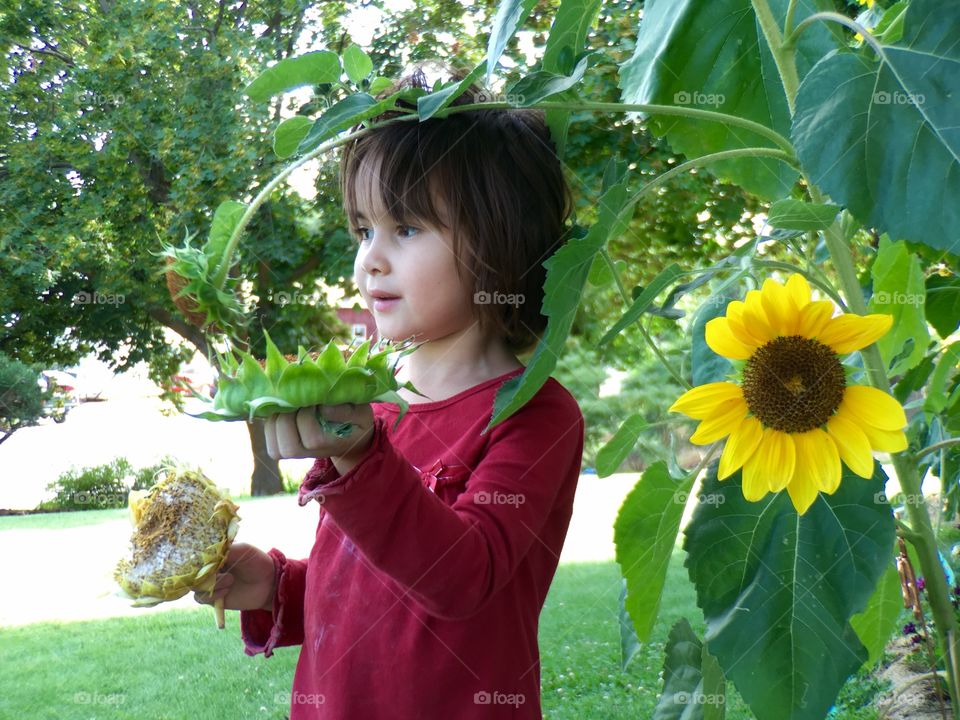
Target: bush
[{"x": 100, "y": 487}]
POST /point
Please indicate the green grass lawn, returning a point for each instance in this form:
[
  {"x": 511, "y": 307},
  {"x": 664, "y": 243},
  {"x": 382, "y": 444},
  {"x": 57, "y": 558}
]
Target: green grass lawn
[{"x": 175, "y": 665}]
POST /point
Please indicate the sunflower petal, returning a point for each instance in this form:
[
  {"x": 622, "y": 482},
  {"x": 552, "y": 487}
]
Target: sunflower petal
[
  {"x": 740, "y": 446},
  {"x": 778, "y": 307},
  {"x": 814, "y": 318},
  {"x": 885, "y": 440},
  {"x": 755, "y": 319},
  {"x": 853, "y": 445},
  {"x": 721, "y": 423},
  {"x": 723, "y": 342},
  {"x": 803, "y": 491},
  {"x": 874, "y": 407},
  {"x": 702, "y": 401},
  {"x": 771, "y": 466},
  {"x": 818, "y": 455},
  {"x": 799, "y": 291},
  {"x": 739, "y": 328},
  {"x": 846, "y": 333}
]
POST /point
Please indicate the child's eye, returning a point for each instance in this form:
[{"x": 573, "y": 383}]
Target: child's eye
[
  {"x": 401, "y": 228},
  {"x": 358, "y": 233}
]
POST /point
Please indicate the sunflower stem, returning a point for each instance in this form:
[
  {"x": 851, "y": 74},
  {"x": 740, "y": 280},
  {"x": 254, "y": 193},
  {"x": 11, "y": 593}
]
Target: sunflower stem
[
  {"x": 936, "y": 446},
  {"x": 905, "y": 466}
]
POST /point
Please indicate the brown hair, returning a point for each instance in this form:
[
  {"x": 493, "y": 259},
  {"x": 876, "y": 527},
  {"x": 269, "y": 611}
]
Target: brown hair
[{"x": 497, "y": 175}]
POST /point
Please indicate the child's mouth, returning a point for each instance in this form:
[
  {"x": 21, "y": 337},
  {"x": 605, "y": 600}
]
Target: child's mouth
[{"x": 384, "y": 303}]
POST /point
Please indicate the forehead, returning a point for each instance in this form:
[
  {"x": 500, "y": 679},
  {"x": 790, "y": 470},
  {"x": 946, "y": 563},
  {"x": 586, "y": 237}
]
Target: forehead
[{"x": 408, "y": 203}]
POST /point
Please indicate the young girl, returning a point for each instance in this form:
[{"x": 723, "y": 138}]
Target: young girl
[{"x": 436, "y": 544}]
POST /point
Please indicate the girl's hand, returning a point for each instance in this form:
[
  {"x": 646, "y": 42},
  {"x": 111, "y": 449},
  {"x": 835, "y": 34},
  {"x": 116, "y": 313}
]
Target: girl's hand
[
  {"x": 245, "y": 582},
  {"x": 299, "y": 435}
]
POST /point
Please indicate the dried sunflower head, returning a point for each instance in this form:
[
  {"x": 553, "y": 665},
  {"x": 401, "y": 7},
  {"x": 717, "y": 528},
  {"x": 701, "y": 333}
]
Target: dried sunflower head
[{"x": 184, "y": 526}]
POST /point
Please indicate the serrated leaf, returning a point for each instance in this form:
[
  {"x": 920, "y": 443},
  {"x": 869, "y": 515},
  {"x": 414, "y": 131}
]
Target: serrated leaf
[
  {"x": 289, "y": 134},
  {"x": 789, "y": 214},
  {"x": 644, "y": 534},
  {"x": 778, "y": 590},
  {"x": 880, "y": 136},
  {"x": 356, "y": 64},
  {"x": 312, "y": 68},
  {"x": 898, "y": 290},
  {"x": 713, "y": 55},
  {"x": 616, "y": 450},
  {"x": 510, "y": 16},
  {"x": 344, "y": 114},
  {"x": 540, "y": 85},
  {"x": 567, "y": 271}
]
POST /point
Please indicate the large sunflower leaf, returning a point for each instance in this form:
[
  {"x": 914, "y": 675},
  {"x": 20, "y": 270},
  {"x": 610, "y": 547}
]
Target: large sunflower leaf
[
  {"x": 312, "y": 68},
  {"x": 713, "y": 55},
  {"x": 778, "y": 590},
  {"x": 880, "y": 134},
  {"x": 877, "y": 622},
  {"x": 693, "y": 684},
  {"x": 899, "y": 290}
]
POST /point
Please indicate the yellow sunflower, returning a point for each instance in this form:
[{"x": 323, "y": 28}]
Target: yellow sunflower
[{"x": 793, "y": 418}]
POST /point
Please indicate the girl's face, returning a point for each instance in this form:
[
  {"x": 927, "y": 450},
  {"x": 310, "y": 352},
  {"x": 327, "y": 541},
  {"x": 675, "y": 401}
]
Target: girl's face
[{"x": 416, "y": 265}]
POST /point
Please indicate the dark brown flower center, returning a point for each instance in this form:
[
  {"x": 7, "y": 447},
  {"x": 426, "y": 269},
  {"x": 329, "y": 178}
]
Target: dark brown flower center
[{"x": 793, "y": 384}]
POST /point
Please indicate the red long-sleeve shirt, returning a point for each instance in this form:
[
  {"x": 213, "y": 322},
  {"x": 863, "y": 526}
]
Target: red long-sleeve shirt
[{"x": 433, "y": 556}]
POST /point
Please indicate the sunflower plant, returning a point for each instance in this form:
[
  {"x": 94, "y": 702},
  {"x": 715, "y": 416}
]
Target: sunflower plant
[{"x": 822, "y": 353}]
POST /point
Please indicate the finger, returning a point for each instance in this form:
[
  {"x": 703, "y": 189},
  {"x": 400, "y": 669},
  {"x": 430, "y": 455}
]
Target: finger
[
  {"x": 288, "y": 439},
  {"x": 311, "y": 435},
  {"x": 270, "y": 435}
]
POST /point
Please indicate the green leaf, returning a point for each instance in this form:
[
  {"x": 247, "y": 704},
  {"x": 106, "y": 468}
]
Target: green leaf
[
  {"x": 898, "y": 290},
  {"x": 943, "y": 304},
  {"x": 645, "y": 533},
  {"x": 429, "y": 105},
  {"x": 225, "y": 220},
  {"x": 705, "y": 365},
  {"x": 568, "y": 34},
  {"x": 881, "y": 135},
  {"x": 778, "y": 590},
  {"x": 343, "y": 114},
  {"x": 310, "y": 68},
  {"x": 644, "y": 300},
  {"x": 378, "y": 85},
  {"x": 792, "y": 214},
  {"x": 713, "y": 55},
  {"x": 357, "y": 64},
  {"x": 878, "y": 621},
  {"x": 947, "y": 364},
  {"x": 567, "y": 271},
  {"x": 510, "y": 16},
  {"x": 289, "y": 134},
  {"x": 541, "y": 84},
  {"x": 615, "y": 452},
  {"x": 690, "y": 675},
  {"x": 600, "y": 273}
]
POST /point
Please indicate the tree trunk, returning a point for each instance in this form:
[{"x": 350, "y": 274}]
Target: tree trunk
[{"x": 266, "y": 478}]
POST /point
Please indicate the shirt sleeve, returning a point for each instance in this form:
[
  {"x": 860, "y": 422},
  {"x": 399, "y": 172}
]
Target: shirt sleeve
[
  {"x": 261, "y": 630},
  {"x": 453, "y": 558}
]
